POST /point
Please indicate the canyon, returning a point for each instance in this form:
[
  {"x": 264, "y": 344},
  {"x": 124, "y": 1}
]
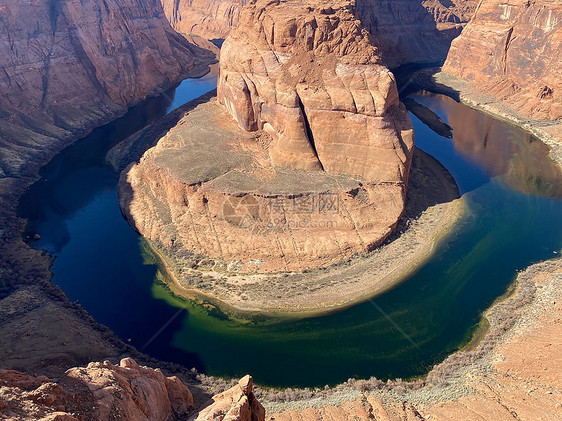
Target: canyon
[
  {"x": 291, "y": 76},
  {"x": 69, "y": 66}
]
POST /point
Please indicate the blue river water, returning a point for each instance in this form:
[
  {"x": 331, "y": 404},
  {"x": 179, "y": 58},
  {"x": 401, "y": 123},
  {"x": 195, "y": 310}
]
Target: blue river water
[{"x": 511, "y": 190}]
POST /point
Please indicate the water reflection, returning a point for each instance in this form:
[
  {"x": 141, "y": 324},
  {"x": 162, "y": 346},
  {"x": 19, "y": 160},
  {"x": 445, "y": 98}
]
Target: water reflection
[{"x": 498, "y": 148}]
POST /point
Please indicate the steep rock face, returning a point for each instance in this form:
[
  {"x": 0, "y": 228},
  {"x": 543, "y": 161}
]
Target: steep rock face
[
  {"x": 513, "y": 51},
  {"x": 404, "y": 31},
  {"x": 310, "y": 77},
  {"x": 68, "y": 65},
  {"x": 208, "y": 18},
  {"x": 208, "y": 191},
  {"x": 414, "y": 31}
]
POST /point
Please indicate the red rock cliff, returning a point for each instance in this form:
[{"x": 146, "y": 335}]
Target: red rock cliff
[
  {"x": 513, "y": 50},
  {"x": 68, "y": 65},
  {"x": 310, "y": 76}
]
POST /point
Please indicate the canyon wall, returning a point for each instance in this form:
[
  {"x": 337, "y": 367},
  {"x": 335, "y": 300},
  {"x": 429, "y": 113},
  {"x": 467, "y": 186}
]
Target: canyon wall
[
  {"x": 68, "y": 65},
  {"x": 211, "y": 19},
  {"x": 513, "y": 51},
  {"x": 414, "y": 31},
  {"x": 309, "y": 76}
]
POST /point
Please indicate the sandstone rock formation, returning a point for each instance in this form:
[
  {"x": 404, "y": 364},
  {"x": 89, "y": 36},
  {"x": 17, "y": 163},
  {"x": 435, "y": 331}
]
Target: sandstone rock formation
[
  {"x": 513, "y": 51},
  {"x": 404, "y": 31},
  {"x": 414, "y": 31},
  {"x": 70, "y": 65},
  {"x": 100, "y": 391},
  {"x": 237, "y": 403},
  {"x": 316, "y": 170},
  {"x": 210, "y": 19},
  {"x": 310, "y": 77},
  {"x": 129, "y": 392}
]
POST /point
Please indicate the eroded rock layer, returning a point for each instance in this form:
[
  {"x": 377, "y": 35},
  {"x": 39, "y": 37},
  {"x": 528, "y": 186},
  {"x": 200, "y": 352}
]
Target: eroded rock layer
[
  {"x": 513, "y": 51},
  {"x": 210, "y": 188},
  {"x": 312, "y": 170},
  {"x": 309, "y": 76},
  {"x": 210, "y": 19}
]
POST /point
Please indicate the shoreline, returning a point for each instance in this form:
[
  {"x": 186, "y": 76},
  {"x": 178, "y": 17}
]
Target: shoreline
[
  {"x": 464, "y": 377},
  {"x": 31, "y": 303},
  {"x": 437, "y": 81},
  {"x": 361, "y": 274}
]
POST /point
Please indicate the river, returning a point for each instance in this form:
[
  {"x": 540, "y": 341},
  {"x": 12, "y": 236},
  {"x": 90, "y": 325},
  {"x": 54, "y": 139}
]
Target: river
[{"x": 512, "y": 193}]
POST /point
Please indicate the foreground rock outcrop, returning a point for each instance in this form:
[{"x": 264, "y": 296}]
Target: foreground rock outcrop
[
  {"x": 100, "y": 391},
  {"x": 312, "y": 170},
  {"x": 513, "y": 51},
  {"x": 237, "y": 403},
  {"x": 103, "y": 391}
]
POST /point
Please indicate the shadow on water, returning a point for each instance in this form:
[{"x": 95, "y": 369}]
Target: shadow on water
[
  {"x": 512, "y": 197},
  {"x": 99, "y": 258}
]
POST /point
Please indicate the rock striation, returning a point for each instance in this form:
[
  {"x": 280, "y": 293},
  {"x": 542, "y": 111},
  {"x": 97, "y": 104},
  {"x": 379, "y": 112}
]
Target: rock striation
[
  {"x": 311, "y": 169},
  {"x": 513, "y": 51},
  {"x": 103, "y": 392},
  {"x": 70, "y": 65},
  {"x": 310, "y": 77},
  {"x": 211, "y": 19},
  {"x": 404, "y": 31}
]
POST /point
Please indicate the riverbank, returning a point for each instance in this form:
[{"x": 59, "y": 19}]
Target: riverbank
[
  {"x": 435, "y": 80},
  {"x": 433, "y": 207},
  {"x": 33, "y": 311},
  {"x": 511, "y": 374}
]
